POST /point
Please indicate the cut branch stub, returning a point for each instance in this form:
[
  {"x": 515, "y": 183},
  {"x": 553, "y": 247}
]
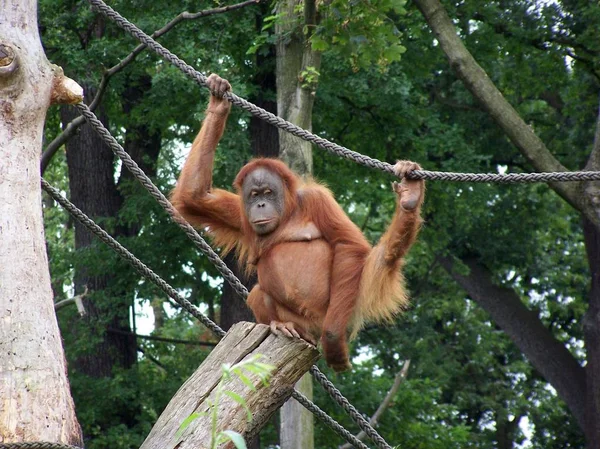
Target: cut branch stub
[
  {"x": 291, "y": 358},
  {"x": 64, "y": 89},
  {"x": 8, "y": 60}
]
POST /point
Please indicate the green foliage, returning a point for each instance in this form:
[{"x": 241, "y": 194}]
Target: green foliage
[
  {"x": 365, "y": 33},
  {"x": 241, "y": 370},
  {"x": 467, "y": 379}
]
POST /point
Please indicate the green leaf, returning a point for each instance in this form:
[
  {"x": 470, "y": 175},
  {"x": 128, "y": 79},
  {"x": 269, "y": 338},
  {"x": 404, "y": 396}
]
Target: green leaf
[
  {"x": 186, "y": 423},
  {"x": 236, "y": 438},
  {"x": 318, "y": 43},
  {"x": 244, "y": 379},
  {"x": 240, "y": 400}
]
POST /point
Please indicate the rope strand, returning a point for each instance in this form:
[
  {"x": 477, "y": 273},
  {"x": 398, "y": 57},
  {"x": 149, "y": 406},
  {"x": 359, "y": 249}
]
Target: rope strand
[
  {"x": 334, "y": 148},
  {"x": 139, "y": 174}
]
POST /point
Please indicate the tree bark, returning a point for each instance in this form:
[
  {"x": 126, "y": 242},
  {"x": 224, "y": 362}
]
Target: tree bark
[
  {"x": 591, "y": 333},
  {"x": 36, "y": 400},
  {"x": 524, "y": 328},
  {"x": 291, "y": 358},
  {"x": 295, "y": 99},
  {"x": 295, "y": 90},
  {"x": 233, "y": 306}
]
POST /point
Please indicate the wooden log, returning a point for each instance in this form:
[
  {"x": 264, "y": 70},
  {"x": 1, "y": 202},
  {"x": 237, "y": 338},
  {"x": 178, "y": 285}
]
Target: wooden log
[{"x": 291, "y": 358}]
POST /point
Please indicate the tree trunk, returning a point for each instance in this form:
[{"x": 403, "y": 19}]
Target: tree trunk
[
  {"x": 297, "y": 77},
  {"x": 579, "y": 387},
  {"x": 264, "y": 140},
  {"x": 591, "y": 332},
  {"x": 92, "y": 185},
  {"x": 290, "y": 357},
  {"x": 295, "y": 89},
  {"x": 36, "y": 400},
  {"x": 233, "y": 307},
  {"x": 524, "y": 328}
]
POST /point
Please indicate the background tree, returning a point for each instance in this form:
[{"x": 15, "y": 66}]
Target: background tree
[{"x": 473, "y": 381}]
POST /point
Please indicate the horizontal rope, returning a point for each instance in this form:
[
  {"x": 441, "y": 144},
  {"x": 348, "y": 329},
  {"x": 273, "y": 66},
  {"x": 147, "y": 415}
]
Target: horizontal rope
[
  {"x": 334, "y": 148},
  {"x": 506, "y": 178},
  {"x": 37, "y": 445}
]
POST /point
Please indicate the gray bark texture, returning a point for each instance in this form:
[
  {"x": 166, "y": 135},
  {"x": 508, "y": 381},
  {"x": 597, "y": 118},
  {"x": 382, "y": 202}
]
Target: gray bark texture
[
  {"x": 36, "y": 400},
  {"x": 291, "y": 358},
  {"x": 295, "y": 94},
  {"x": 295, "y": 98}
]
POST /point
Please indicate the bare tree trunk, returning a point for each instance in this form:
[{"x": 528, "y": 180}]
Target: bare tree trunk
[
  {"x": 591, "y": 332},
  {"x": 36, "y": 400},
  {"x": 297, "y": 77}
]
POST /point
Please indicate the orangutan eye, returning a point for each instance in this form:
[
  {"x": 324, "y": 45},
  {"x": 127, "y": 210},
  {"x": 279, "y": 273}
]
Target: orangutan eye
[
  {"x": 267, "y": 191},
  {"x": 253, "y": 193}
]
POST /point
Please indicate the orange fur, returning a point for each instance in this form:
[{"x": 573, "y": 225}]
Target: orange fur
[{"x": 317, "y": 274}]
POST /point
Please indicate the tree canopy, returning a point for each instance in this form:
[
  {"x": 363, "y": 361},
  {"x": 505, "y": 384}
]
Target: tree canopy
[{"x": 385, "y": 89}]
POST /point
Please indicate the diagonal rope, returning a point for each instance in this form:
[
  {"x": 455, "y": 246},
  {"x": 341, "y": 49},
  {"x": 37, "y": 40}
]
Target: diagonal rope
[
  {"x": 341, "y": 431},
  {"x": 338, "y": 397},
  {"x": 129, "y": 257},
  {"x": 139, "y": 174},
  {"x": 188, "y": 306},
  {"x": 334, "y": 148},
  {"x": 170, "y": 291},
  {"x": 162, "y": 200}
]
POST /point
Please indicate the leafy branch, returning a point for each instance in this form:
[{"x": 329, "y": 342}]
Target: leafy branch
[
  {"x": 241, "y": 370},
  {"x": 74, "y": 125}
]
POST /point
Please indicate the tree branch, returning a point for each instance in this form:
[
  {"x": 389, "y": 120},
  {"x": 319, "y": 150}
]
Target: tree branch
[
  {"x": 77, "y": 300},
  {"x": 593, "y": 162},
  {"x": 482, "y": 88},
  {"x": 72, "y": 127},
  {"x": 400, "y": 377},
  {"x": 164, "y": 339},
  {"x": 152, "y": 359},
  {"x": 524, "y": 328}
]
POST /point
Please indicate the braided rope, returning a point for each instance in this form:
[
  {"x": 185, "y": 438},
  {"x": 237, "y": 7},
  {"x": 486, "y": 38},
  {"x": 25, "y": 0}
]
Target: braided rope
[
  {"x": 192, "y": 309},
  {"x": 139, "y": 174},
  {"x": 349, "y": 408},
  {"x": 162, "y": 200},
  {"x": 129, "y": 257},
  {"x": 337, "y": 427},
  {"x": 507, "y": 178},
  {"x": 37, "y": 445},
  {"x": 334, "y": 148}
]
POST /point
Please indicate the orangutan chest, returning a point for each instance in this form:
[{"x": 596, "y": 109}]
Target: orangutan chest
[{"x": 297, "y": 271}]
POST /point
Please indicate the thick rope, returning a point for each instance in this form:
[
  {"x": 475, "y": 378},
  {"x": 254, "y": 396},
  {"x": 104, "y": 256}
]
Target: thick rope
[
  {"x": 188, "y": 306},
  {"x": 334, "y": 148},
  {"x": 337, "y": 427},
  {"x": 162, "y": 200},
  {"x": 37, "y": 445},
  {"x": 129, "y": 257},
  {"x": 139, "y": 174},
  {"x": 338, "y": 397}
]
